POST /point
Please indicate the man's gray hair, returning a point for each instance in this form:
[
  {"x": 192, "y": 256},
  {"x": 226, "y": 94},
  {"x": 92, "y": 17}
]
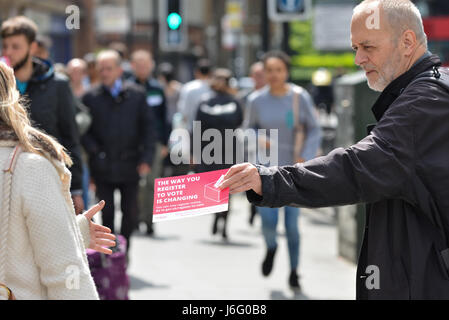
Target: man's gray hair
[
  {"x": 108, "y": 54},
  {"x": 402, "y": 15}
]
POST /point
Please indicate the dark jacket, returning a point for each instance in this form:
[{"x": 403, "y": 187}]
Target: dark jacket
[
  {"x": 52, "y": 109},
  {"x": 121, "y": 135},
  {"x": 156, "y": 100},
  {"x": 218, "y": 111},
  {"x": 401, "y": 170}
]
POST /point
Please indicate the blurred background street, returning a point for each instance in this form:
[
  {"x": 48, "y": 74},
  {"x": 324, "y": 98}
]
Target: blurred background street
[
  {"x": 174, "y": 57},
  {"x": 183, "y": 260}
]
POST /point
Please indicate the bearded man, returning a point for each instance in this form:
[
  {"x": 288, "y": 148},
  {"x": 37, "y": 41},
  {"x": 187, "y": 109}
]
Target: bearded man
[{"x": 400, "y": 170}]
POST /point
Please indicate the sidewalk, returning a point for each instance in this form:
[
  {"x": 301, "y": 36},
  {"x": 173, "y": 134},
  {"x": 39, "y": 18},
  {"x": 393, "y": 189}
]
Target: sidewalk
[{"x": 184, "y": 260}]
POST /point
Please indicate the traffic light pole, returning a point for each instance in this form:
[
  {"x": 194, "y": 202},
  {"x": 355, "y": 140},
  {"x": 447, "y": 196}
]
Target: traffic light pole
[
  {"x": 265, "y": 27},
  {"x": 156, "y": 26},
  {"x": 285, "y": 37}
]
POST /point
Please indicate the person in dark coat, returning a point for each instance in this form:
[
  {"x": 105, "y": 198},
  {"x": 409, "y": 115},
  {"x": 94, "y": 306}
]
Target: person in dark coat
[
  {"x": 142, "y": 65},
  {"x": 400, "y": 170},
  {"x": 120, "y": 141},
  {"x": 219, "y": 110},
  {"x": 52, "y": 105}
]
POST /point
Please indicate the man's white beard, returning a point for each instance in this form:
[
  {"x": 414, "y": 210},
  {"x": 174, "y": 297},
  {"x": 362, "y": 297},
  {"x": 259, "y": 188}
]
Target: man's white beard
[
  {"x": 386, "y": 77},
  {"x": 379, "y": 85}
]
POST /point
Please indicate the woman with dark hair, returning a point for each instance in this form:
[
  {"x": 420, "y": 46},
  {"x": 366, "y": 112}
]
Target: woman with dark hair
[
  {"x": 289, "y": 109},
  {"x": 219, "y": 110}
]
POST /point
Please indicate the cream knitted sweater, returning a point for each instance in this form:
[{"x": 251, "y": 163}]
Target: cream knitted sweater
[{"x": 46, "y": 255}]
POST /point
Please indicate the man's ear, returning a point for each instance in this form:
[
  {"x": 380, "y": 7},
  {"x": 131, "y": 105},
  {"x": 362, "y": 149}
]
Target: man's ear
[
  {"x": 409, "y": 42},
  {"x": 33, "y": 48}
]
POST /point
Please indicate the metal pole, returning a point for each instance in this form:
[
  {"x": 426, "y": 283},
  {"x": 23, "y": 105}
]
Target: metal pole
[
  {"x": 265, "y": 27},
  {"x": 285, "y": 37},
  {"x": 156, "y": 30}
]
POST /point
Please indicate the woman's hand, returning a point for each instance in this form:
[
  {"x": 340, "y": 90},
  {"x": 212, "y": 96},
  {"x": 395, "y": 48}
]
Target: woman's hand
[{"x": 100, "y": 236}]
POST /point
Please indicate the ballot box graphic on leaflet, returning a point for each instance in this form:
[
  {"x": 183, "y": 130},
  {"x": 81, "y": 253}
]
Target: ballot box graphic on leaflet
[
  {"x": 213, "y": 193},
  {"x": 189, "y": 196}
]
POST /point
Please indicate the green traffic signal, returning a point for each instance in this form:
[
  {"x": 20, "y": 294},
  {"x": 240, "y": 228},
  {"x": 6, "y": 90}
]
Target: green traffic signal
[{"x": 174, "y": 20}]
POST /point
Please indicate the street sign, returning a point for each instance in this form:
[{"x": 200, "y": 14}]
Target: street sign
[
  {"x": 289, "y": 10},
  {"x": 234, "y": 15}
]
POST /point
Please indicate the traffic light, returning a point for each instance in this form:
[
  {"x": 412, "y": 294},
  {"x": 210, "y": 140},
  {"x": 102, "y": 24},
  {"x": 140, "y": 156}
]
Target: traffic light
[
  {"x": 289, "y": 10},
  {"x": 172, "y": 25}
]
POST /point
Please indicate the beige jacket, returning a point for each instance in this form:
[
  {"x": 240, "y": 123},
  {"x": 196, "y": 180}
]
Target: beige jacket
[{"x": 46, "y": 255}]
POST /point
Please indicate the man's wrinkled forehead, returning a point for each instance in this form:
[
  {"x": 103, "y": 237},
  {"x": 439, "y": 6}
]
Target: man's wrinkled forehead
[{"x": 369, "y": 17}]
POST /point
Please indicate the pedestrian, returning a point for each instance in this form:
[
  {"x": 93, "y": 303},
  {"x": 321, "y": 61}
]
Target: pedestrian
[
  {"x": 143, "y": 66},
  {"x": 220, "y": 111},
  {"x": 122, "y": 50},
  {"x": 400, "y": 169},
  {"x": 119, "y": 142},
  {"x": 44, "y": 44},
  {"x": 257, "y": 74},
  {"x": 52, "y": 105},
  {"x": 172, "y": 90},
  {"x": 274, "y": 107},
  {"x": 92, "y": 79},
  {"x": 192, "y": 93},
  {"x": 76, "y": 71},
  {"x": 42, "y": 241}
]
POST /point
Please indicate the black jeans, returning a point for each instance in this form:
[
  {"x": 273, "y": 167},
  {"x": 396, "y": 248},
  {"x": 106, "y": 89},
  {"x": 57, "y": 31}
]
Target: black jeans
[{"x": 128, "y": 204}]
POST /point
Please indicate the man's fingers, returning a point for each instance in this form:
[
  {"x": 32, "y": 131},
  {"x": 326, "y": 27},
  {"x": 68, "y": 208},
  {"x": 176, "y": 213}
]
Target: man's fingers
[
  {"x": 242, "y": 188},
  {"x": 245, "y": 172},
  {"x": 244, "y": 180},
  {"x": 94, "y": 210},
  {"x": 235, "y": 169},
  {"x": 234, "y": 174}
]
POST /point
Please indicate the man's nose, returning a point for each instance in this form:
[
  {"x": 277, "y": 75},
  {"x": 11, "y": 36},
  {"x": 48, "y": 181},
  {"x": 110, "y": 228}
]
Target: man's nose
[{"x": 360, "y": 58}]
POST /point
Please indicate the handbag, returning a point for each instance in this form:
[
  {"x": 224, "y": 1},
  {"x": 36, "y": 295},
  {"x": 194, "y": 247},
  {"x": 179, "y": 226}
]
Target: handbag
[
  {"x": 299, "y": 134},
  {"x": 5, "y": 292}
]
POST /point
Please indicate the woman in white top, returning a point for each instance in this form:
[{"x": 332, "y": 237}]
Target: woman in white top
[{"x": 42, "y": 242}]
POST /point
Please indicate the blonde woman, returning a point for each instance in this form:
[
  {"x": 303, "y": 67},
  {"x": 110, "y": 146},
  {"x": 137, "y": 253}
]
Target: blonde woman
[{"x": 42, "y": 241}]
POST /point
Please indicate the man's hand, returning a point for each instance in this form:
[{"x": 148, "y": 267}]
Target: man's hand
[
  {"x": 78, "y": 203},
  {"x": 100, "y": 236},
  {"x": 242, "y": 177},
  {"x": 143, "y": 169}
]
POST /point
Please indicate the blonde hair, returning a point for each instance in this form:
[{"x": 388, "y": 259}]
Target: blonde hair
[{"x": 14, "y": 115}]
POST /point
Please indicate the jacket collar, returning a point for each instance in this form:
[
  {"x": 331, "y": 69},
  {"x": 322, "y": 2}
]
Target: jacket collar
[
  {"x": 123, "y": 88},
  {"x": 397, "y": 86},
  {"x": 42, "y": 70}
]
